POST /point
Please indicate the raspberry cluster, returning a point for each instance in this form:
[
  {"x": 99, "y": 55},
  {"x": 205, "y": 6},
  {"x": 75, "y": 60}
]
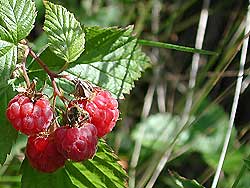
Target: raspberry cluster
[{"x": 90, "y": 115}]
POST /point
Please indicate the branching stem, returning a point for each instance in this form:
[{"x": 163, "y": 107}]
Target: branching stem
[{"x": 51, "y": 74}]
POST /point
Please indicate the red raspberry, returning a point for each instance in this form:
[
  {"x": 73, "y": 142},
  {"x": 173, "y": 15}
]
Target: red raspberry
[
  {"x": 77, "y": 144},
  {"x": 103, "y": 111},
  {"x": 27, "y": 116},
  {"x": 42, "y": 153}
]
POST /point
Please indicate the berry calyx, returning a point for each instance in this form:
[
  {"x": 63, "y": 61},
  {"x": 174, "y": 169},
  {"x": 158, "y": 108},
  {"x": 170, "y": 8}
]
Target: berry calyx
[
  {"x": 77, "y": 143},
  {"x": 42, "y": 153},
  {"x": 27, "y": 116}
]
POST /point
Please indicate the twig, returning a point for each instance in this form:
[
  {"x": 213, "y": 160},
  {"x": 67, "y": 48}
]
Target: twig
[
  {"x": 235, "y": 101},
  {"x": 51, "y": 74}
]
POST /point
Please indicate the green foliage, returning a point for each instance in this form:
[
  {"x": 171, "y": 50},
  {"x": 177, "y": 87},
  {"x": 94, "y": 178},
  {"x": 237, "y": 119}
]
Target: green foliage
[
  {"x": 16, "y": 19},
  {"x": 183, "y": 182},
  {"x": 8, "y": 134},
  {"x": 101, "y": 171},
  {"x": 5, "y": 47},
  {"x": 65, "y": 35},
  {"x": 33, "y": 178},
  {"x": 112, "y": 59},
  {"x": 159, "y": 130},
  {"x": 175, "y": 47},
  {"x": 205, "y": 136},
  {"x": 247, "y": 163}
]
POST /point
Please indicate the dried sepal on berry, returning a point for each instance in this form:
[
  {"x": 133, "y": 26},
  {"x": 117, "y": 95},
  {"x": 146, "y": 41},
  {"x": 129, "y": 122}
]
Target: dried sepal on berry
[
  {"x": 83, "y": 89},
  {"x": 101, "y": 107}
]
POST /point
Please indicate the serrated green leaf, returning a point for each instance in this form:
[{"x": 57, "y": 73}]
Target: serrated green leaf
[
  {"x": 33, "y": 178},
  {"x": 17, "y": 19},
  {"x": 112, "y": 60},
  {"x": 8, "y": 133},
  {"x": 102, "y": 171},
  {"x": 65, "y": 35},
  {"x": 183, "y": 182},
  {"x": 5, "y": 47}
]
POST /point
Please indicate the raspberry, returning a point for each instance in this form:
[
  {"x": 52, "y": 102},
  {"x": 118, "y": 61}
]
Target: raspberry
[
  {"x": 103, "y": 111},
  {"x": 42, "y": 153},
  {"x": 27, "y": 116},
  {"x": 77, "y": 144}
]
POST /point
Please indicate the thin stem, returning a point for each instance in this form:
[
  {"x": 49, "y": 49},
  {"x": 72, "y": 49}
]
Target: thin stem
[
  {"x": 156, "y": 8},
  {"x": 52, "y": 76},
  {"x": 235, "y": 101},
  {"x": 42, "y": 64},
  {"x": 56, "y": 90},
  {"x": 25, "y": 75},
  {"x": 237, "y": 180},
  {"x": 45, "y": 67},
  {"x": 175, "y": 47},
  {"x": 195, "y": 60},
  {"x": 135, "y": 157},
  {"x": 199, "y": 41}
]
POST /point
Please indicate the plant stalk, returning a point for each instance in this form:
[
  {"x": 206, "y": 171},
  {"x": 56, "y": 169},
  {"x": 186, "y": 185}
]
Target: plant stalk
[{"x": 235, "y": 101}]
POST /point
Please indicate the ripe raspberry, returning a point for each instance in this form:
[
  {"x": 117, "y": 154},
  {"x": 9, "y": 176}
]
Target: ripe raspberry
[
  {"x": 103, "y": 111},
  {"x": 77, "y": 144},
  {"x": 42, "y": 153},
  {"x": 27, "y": 116}
]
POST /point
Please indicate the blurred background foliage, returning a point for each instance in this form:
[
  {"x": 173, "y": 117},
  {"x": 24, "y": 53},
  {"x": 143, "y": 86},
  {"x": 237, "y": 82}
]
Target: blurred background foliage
[{"x": 155, "y": 106}]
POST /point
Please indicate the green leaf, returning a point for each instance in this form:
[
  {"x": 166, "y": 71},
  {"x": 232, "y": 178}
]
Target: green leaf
[
  {"x": 65, "y": 35},
  {"x": 175, "y": 47},
  {"x": 159, "y": 130},
  {"x": 8, "y": 133},
  {"x": 33, "y": 178},
  {"x": 208, "y": 131},
  {"x": 102, "y": 171},
  {"x": 183, "y": 182},
  {"x": 244, "y": 180},
  {"x": 16, "y": 19},
  {"x": 5, "y": 47},
  {"x": 112, "y": 60}
]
